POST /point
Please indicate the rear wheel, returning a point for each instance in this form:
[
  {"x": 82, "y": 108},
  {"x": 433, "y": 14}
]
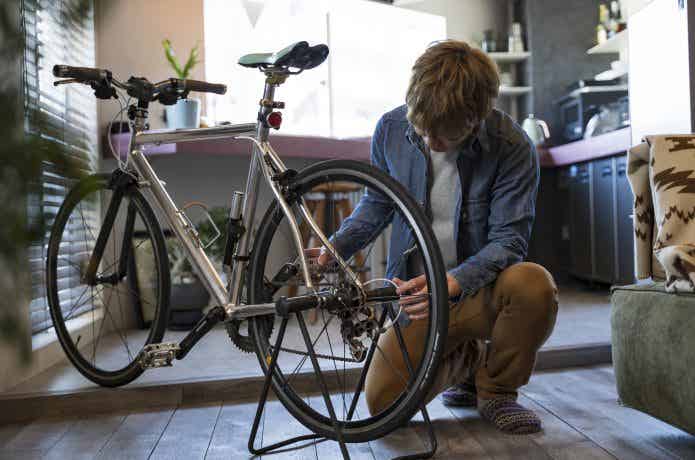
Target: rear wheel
[
  {"x": 103, "y": 324},
  {"x": 350, "y": 341}
]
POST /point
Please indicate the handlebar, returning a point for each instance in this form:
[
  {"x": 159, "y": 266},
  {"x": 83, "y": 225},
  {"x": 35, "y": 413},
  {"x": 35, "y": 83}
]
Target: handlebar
[
  {"x": 81, "y": 73},
  {"x": 102, "y": 81}
]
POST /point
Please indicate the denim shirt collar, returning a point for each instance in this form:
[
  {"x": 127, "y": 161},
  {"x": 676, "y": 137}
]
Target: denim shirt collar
[{"x": 471, "y": 147}]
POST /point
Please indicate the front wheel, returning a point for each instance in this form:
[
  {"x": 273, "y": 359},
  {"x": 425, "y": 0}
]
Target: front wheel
[
  {"x": 358, "y": 346},
  {"x": 103, "y": 323}
]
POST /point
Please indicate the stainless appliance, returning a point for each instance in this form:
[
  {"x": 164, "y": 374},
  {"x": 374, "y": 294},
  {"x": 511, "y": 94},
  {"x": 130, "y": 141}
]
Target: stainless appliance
[
  {"x": 610, "y": 117},
  {"x": 583, "y": 101}
]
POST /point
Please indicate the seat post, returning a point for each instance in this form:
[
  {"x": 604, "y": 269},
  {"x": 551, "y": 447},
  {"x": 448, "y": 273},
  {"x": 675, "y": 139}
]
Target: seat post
[{"x": 273, "y": 80}]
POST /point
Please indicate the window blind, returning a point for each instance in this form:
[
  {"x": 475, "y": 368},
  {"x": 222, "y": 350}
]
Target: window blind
[{"x": 56, "y": 35}]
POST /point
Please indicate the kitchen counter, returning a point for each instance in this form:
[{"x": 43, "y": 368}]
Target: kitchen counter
[
  {"x": 287, "y": 146},
  {"x": 317, "y": 147},
  {"x": 608, "y": 144}
]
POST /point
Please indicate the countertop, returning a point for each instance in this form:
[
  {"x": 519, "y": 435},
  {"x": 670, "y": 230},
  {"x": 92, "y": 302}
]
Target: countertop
[
  {"x": 317, "y": 147},
  {"x": 608, "y": 144},
  {"x": 285, "y": 145}
]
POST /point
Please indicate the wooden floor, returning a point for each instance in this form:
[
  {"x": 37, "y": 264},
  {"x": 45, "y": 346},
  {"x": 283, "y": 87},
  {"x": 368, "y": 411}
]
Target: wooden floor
[{"x": 579, "y": 409}]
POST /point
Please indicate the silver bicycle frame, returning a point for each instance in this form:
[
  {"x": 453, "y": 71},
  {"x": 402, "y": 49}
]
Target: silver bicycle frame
[{"x": 265, "y": 161}]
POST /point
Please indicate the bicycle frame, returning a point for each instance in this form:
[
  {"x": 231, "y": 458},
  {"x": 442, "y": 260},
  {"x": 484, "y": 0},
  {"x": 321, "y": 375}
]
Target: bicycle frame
[{"x": 265, "y": 161}]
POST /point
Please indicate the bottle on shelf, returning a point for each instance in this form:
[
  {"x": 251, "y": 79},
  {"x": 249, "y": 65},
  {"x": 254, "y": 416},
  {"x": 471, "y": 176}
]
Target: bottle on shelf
[
  {"x": 516, "y": 42},
  {"x": 602, "y": 32},
  {"x": 489, "y": 44}
]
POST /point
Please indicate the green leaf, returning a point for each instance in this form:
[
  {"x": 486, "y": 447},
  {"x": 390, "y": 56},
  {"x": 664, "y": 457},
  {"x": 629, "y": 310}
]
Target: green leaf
[
  {"x": 192, "y": 61},
  {"x": 171, "y": 57}
]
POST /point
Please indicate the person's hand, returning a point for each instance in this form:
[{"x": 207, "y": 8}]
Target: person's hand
[
  {"x": 323, "y": 257},
  {"x": 418, "y": 309}
]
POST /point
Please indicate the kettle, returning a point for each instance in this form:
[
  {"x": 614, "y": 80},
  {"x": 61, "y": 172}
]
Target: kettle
[{"x": 536, "y": 129}]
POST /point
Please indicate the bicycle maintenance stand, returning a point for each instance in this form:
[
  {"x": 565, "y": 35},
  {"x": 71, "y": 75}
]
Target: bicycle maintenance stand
[
  {"x": 163, "y": 354},
  {"x": 326, "y": 397}
]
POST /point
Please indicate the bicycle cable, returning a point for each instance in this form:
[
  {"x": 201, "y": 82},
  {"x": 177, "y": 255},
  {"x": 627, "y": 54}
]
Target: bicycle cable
[{"x": 117, "y": 155}]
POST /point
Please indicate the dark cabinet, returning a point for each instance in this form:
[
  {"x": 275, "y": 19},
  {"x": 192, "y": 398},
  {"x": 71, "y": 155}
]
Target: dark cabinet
[
  {"x": 600, "y": 221},
  {"x": 603, "y": 218},
  {"x": 580, "y": 220}
]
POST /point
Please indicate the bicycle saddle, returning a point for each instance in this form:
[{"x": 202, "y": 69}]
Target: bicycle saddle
[{"x": 298, "y": 55}]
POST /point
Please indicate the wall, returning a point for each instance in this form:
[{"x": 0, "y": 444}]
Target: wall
[
  {"x": 467, "y": 19},
  {"x": 559, "y": 34},
  {"x": 129, "y": 36}
]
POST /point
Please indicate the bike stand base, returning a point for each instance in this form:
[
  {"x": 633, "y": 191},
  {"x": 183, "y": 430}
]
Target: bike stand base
[{"x": 274, "y": 448}]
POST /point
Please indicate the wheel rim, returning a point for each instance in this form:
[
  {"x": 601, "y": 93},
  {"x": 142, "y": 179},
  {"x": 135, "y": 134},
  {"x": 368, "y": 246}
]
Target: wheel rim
[
  {"x": 313, "y": 407},
  {"x": 104, "y": 325}
]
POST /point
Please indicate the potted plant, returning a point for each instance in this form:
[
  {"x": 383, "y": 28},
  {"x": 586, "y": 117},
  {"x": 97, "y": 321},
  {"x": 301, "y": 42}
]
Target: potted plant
[
  {"x": 188, "y": 295},
  {"x": 186, "y": 112}
]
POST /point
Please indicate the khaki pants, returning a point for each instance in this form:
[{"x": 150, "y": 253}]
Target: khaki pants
[{"x": 516, "y": 314}]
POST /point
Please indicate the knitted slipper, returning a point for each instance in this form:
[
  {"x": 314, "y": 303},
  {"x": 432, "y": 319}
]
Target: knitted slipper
[
  {"x": 461, "y": 395},
  {"x": 509, "y": 416}
]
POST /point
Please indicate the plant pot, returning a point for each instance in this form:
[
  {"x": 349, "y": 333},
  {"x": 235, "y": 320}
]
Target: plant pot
[
  {"x": 184, "y": 114},
  {"x": 188, "y": 300}
]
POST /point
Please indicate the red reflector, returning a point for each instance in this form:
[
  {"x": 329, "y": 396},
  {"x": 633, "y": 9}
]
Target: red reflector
[{"x": 274, "y": 119}]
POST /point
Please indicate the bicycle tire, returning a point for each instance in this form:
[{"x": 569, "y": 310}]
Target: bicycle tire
[
  {"x": 388, "y": 420},
  {"x": 126, "y": 374}
]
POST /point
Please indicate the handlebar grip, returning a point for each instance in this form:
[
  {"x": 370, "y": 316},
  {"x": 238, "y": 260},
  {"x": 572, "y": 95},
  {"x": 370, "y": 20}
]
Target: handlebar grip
[
  {"x": 204, "y": 87},
  {"x": 81, "y": 73}
]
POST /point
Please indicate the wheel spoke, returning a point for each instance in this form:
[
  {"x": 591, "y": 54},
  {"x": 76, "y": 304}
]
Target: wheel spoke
[{"x": 301, "y": 363}]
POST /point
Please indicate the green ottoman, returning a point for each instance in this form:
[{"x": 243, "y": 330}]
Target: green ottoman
[{"x": 653, "y": 335}]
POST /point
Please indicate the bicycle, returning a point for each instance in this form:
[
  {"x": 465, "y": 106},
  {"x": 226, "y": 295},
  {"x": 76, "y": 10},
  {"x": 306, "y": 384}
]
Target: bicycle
[{"x": 110, "y": 260}]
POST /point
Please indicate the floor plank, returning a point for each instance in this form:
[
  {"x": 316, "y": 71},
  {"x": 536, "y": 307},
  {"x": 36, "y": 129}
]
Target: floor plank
[
  {"x": 231, "y": 432},
  {"x": 560, "y": 440},
  {"x": 453, "y": 439},
  {"x": 188, "y": 434},
  {"x": 277, "y": 425},
  {"x": 8, "y": 432},
  {"x": 498, "y": 445},
  {"x": 331, "y": 449},
  {"x": 37, "y": 438},
  {"x": 601, "y": 380},
  {"x": 576, "y": 404},
  {"x": 137, "y": 436},
  {"x": 86, "y": 438}
]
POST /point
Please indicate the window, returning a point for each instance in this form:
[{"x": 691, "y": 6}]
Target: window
[
  {"x": 53, "y": 37},
  {"x": 373, "y": 46}
]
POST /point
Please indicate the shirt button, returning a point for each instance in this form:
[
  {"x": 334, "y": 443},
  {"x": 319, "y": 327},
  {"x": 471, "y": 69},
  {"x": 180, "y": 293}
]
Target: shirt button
[{"x": 464, "y": 215}]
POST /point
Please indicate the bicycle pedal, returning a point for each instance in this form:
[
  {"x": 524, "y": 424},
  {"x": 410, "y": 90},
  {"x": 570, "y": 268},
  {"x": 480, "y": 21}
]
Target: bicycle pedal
[{"x": 158, "y": 355}]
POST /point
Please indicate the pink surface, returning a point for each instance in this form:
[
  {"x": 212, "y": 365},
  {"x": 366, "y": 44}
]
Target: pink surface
[
  {"x": 122, "y": 141},
  {"x": 587, "y": 149},
  {"x": 285, "y": 145}
]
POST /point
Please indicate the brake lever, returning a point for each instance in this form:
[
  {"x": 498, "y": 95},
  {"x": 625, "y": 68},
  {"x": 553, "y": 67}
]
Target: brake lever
[{"x": 67, "y": 81}]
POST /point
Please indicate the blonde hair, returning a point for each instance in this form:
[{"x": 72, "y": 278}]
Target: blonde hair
[{"x": 451, "y": 89}]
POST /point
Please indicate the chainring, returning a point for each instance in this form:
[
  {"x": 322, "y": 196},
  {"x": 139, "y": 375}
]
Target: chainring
[{"x": 245, "y": 342}]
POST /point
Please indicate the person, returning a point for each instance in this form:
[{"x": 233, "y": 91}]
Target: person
[{"x": 479, "y": 182}]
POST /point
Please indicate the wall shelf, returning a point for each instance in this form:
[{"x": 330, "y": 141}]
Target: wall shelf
[
  {"x": 613, "y": 45},
  {"x": 515, "y": 90},
  {"x": 504, "y": 57}
]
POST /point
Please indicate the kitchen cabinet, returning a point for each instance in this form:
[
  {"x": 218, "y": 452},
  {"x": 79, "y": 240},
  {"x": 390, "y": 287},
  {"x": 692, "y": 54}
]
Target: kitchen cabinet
[
  {"x": 599, "y": 221},
  {"x": 603, "y": 217},
  {"x": 581, "y": 226}
]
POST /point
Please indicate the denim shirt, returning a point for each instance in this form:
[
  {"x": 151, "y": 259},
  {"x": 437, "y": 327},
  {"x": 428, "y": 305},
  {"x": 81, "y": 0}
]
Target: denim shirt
[{"x": 495, "y": 198}]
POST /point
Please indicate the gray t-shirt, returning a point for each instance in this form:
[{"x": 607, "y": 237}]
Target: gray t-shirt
[{"x": 443, "y": 203}]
